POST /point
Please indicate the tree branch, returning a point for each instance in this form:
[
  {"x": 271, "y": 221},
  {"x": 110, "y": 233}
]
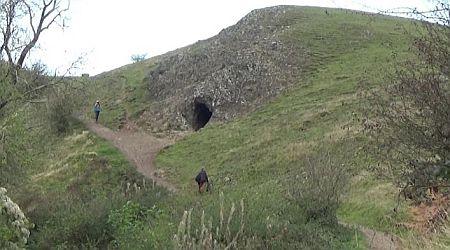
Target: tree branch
[
  {"x": 48, "y": 9},
  {"x": 30, "y": 15},
  {"x": 437, "y": 14},
  {"x": 8, "y": 31},
  {"x": 54, "y": 81}
]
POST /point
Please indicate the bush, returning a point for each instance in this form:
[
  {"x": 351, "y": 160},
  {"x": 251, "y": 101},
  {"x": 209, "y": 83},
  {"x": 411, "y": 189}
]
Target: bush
[
  {"x": 14, "y": 141},
  {"x": 131, "y": 226},
  {"x": 67, "y": 221},
  {"x": 409, "y": 118},
  {"x": 319, "y": 187},
  {"x": 59, "y": 111}
]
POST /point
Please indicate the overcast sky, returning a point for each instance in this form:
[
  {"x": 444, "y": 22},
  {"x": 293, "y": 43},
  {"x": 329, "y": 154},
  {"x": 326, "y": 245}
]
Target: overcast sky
[{"x": 107, "y": 32}]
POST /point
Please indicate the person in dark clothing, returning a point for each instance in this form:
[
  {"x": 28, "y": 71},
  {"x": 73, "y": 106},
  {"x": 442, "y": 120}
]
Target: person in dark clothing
[
  {"x": 97, "y": 109},
  {"x": 202, "y": 179}
]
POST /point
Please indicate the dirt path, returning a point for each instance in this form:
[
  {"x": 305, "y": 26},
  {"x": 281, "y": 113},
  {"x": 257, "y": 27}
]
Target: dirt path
[
  {"x": 376, "y": 240},
  {"x": 140, "y": 148},
  {"x": 379, "y": 240}
]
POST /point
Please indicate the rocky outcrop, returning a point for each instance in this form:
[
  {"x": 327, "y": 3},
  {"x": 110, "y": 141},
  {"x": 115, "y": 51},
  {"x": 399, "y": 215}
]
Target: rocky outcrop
[{"x": 227, "y": 75}]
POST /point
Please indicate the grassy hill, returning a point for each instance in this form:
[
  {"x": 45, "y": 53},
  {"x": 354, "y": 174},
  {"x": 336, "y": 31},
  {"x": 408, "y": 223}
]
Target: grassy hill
[
  {"x": 257, "y": 157},
  {"x": 260, "y": 157},
  {"x": 263, "y": 152}
]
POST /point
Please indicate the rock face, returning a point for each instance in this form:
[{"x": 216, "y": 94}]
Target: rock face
[{"x": 224, "y": 76}]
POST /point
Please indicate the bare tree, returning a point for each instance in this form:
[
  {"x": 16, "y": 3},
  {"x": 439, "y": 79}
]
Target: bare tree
[
  {"x": 22, "y": 23},
  {"x": 19, "y": 39},
  {"x": 412, "y": 113}
]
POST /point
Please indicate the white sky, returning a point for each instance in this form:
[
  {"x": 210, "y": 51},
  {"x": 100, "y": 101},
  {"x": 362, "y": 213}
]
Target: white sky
[{"x": 107, "y": 32}]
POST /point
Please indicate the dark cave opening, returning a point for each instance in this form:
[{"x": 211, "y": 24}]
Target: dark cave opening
[{"x": 202, "y": 114}]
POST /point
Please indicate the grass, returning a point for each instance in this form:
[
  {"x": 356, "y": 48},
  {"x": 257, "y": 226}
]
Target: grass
[
  {"x": 77, "y": 189},
  {"x": 261, "y": 152},
  {"x": 121, "y": 92},
  {"x": 255, "y": 157}
]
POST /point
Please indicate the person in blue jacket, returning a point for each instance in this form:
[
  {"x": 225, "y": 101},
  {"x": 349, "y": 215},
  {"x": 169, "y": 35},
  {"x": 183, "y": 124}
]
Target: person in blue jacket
[{"x": 97, "y": 109}]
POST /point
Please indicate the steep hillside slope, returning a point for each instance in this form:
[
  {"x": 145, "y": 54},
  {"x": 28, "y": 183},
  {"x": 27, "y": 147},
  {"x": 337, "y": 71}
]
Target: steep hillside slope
[
  {"x": 225, "y": 75},
  {"x": 230, "y": 74},
  {"x": 299, "y": 114}
]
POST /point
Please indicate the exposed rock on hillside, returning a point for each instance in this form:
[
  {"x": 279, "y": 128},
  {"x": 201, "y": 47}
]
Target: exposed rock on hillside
[{"x": 224, "y": 76}]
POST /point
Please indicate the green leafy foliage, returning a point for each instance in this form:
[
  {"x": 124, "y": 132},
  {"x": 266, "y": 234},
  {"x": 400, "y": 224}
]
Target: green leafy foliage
[
  {"x": 14, "y": 140},
  {"x": 131, "y": 226}
]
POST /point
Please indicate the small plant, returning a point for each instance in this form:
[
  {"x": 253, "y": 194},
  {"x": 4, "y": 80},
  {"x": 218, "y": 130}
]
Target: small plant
[
  {"x": 17, "y": 221},
  {"x": 129, "y": 215},
  {"x": 138, "y": 57},
  {"x": 131, "y": 226},
  {"x": 209, "y": 237}
]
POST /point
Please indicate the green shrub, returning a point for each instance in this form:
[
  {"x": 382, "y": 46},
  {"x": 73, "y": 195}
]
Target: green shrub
[
  {"x": 319, "y": 187},
  {"x": 59, "y": 111},
  {"x": 14, "y": 140},
  {"x": 129, "y": 215},
  {"x": 68, "y": 221},
  {"x": 131, "y": 226}
]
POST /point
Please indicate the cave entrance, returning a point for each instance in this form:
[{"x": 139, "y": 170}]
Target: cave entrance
[{"x": 202, "y": 114}]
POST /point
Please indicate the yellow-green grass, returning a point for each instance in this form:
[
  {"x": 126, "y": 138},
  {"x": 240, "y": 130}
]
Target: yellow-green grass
[{"x": 76, "y": 190}]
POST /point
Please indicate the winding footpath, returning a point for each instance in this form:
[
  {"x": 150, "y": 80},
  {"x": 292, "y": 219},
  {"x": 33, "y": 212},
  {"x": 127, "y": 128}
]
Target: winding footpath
[
  {"x": 378, "y": 240},
  {"x": 139, "y": 148}
]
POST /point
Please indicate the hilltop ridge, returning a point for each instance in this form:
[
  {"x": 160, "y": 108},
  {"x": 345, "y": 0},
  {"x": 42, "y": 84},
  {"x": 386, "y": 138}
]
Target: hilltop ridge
[
  {"x": 234, "y": 72},
  {"x": 226, "y": 75}
]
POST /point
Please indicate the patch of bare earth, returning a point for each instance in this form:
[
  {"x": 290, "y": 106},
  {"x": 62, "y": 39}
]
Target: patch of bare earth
[
  {"x": 431, "y": 217},
  {"x": 379, "y": 240},
  {"x": 139, "y": 147}
]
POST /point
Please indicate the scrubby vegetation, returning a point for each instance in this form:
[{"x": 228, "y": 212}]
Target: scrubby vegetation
[
  {"x": 80, "y": 196},
  {"x": 298, "y": 166},
  {"x": 409, "y": 116}
]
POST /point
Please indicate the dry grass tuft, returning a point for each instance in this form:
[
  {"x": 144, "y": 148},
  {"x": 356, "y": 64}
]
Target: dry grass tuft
[{"x": 220, "y": 237}]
